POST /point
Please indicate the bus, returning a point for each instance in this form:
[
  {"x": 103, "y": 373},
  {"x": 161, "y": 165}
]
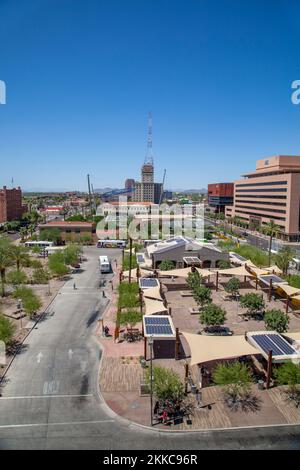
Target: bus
[
  {"x": 40, "y": 244},
  {"x": 104, "y": 264},
  {"x": 111, "y": 243}
]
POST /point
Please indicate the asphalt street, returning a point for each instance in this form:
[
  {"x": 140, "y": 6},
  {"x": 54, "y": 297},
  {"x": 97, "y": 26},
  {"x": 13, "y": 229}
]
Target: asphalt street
[{"x": 50, "y": 397}]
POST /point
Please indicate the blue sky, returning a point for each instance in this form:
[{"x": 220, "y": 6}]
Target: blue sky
[{"x": 81, "y": 77}]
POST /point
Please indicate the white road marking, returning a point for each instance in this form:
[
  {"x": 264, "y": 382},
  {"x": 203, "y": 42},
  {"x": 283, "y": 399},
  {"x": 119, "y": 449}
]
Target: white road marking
[
  {"x": 72, "y": 423},
  {"x": 51, "y": 387},
  {"x": 39, "y": 357},
  {"x": 70, "y": 354},
  {"x": 46, "y": 396}
]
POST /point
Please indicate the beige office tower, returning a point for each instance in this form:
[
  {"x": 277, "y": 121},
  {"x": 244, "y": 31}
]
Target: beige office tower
[{"x": 272, "y": 191}]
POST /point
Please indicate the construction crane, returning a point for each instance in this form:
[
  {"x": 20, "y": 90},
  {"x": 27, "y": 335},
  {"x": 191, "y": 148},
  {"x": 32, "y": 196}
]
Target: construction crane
[{"x": 162, "y": 187}]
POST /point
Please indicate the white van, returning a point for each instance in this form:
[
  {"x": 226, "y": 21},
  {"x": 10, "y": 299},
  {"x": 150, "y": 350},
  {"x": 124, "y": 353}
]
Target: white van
[{"x": 104, "y": 264}]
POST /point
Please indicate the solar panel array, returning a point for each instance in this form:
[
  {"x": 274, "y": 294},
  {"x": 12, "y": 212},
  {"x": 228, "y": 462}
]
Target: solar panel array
[
  {"x": 192, "y": 259},
  {"x": 148, "y": 282},
  {"x": 157, "y": 326},
  {"x": 275, "y": 343},
  {"x": 140, "y": 258},
  {"x": 275, "y": 279}
]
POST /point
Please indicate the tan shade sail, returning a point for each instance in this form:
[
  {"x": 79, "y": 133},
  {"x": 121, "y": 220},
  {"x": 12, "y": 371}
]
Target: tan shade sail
[
  {"x": 296, "y": 297},
  {"x": 258, "y": 271},
  {"x": 143, "y": 273},
  {"x": 209, "y": 348},
  {"x": 184, "y": 272},
  {"x": 238, "y": 271},
  {"x": 154, "y": 306},
  {"x": 152, "y": 293},
  {"x": 249, "y": 263},
  {"x": 289, "y": 290},
  {"x": 274, "y": 269},
  {"x": 295, "y": 336}
]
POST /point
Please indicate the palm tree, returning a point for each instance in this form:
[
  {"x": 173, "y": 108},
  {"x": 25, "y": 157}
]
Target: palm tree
[
  {"x": 284, "y": 257},
  {"x": 18, "y": 255},
  {"x": 31, "y": 229},
  {"x": 271, "y": 229},
  {"x": 23, "y": 233}
]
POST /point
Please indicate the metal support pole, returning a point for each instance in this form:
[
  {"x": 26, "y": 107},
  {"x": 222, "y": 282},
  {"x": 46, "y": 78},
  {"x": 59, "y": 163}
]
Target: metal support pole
[
  {"x": 130, "y": 258},
  {"x": 269, "y": 369},
  {"x": 177, "y": 345},
  {"x": 217, "y": 280},
  {"x": 145, "y": 348},
  {"x": 186, "y": 378},
  {"x": 287, "y": 304},
  {"x": 270, "y": 290},
  {"x": 151, "y": 381}
]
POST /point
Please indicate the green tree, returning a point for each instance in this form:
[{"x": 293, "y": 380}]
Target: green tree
[
  {"x": 202, "y": 295},
  {"x": 57, "y": 267},
  {"x": 16, "y": 277},
  {"x": 283, "y": 258},
  {"x": 51, "y": 234},
  {"x": 236, "y": 379},
  {"x": 276, "y": 320},
  {"x": 233, "y": 286},
  {"x": 23, "y": 234},
  {"x": 5, "y": 261},
  {"x": 271, "y": 229},
  {"x": 166, "y": 384},
  {"x": 212, "y": 315},
  {"x": 7, "y": 329},
  {"x": 31, "y": 305},
  {"x": 289, "y": 374},
  {"x": 166, "y": 265},
  {"x": 253, "y": 302},
  {"x": 193, "y": 280},
  {"x": 224, "y": 264}
]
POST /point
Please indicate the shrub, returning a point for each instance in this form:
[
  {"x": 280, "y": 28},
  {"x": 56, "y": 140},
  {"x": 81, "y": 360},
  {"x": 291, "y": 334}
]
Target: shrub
[
  {"x": 40, "y": 276},
  {"x": 126, "y": 261},
  {"x": 212, "y": 315},
  {"x": 130, "y": 318},
  {"x": 31, "y": 302},
  {"x": 7, "y": 329},
  {"x": 233, "y": 285},
  {"x": 35, "y": 264},
  {"x": 202, "y": 295},
  {"x": 166, "y": 265},
  {"x": 289, "y": 374},
  {"x": 166, "y": 384},
  {"x": 193, "y": 280},
  {"x": 276, "y": 320},
  {"x": 236, "y": 379},
  {"x": 294, "y": 280},
  {"x": 128, "y": 295},
  {"x": 253, "y": 302},
  {"x": 16, "y": 277},
  {"x": 256, "y": 255}
]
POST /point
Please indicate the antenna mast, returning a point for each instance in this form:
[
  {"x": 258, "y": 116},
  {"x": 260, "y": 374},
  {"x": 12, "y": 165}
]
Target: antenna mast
[{"x": 149, "y": 154}]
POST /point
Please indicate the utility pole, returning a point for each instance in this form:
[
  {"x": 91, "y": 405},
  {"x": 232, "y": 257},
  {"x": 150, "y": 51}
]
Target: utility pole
[
  {"x": 130, "y": 258},
  {"x": 90, "y": 194}
]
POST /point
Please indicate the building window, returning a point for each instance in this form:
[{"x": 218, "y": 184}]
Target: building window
[{"x": 270, "y": 183}]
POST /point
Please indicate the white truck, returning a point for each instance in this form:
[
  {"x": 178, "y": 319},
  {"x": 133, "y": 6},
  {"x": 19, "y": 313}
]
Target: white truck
[{"x": 104, "y": 264}]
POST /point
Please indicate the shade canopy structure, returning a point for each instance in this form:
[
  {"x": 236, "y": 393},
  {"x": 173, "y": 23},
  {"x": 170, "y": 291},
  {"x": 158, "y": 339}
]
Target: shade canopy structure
[
  {"x": 184, "y": 272},
  {"x": 276, "y": 280},
  {"x": 211, "y": 348},
  {"x": 143, "y": 273},
  {"x": 274, "y": 269},
  {"x": 152, "y": 307},
  {"x": 249, "y": 263},
  {"x": 153, "y": 293},
  {"x": 159, "y": 327},
  {"x": 238, "y": 271},
  {"x": 267, "y": 341},
  {"x": 295, "y": 336},
  {"x": 289, "y": 290},
  {"x": 257, "y": 271},
  {"x": 296, "y": 298}
]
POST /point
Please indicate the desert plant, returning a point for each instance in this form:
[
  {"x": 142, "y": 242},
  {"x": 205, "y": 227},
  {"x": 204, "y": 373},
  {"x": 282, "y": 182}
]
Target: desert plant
[
  {"x": 232, "y": 286},
  {"x": 166, "y": 384},
  {"x": 276, "y": 320},
  {"x": 17, "y": 277},
  {"x": 289, "y": 374},
  {"x": 236, "y": 379},
  {"x": 202, "y": 295},
  {"x": 166, "y": 265},
  {"x": 7, "y": 329},
  {"x": 212, "y": 315},
  {"x": 253, "y": 302}
]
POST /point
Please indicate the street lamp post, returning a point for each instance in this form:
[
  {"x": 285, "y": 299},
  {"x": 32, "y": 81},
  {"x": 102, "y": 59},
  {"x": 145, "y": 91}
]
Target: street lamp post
[
  {"x": 150, "y": 342},
  {"x": 21, "y": 312},
  {"x": 49, "y": 290}
]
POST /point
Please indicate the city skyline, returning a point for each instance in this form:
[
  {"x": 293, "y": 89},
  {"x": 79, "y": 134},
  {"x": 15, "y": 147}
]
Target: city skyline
[{"x": 77, "y": 96}]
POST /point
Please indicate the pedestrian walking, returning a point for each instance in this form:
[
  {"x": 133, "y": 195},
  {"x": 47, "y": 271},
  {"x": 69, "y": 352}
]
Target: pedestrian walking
[
  {"x": 74, "y": 286},
  {"x": 156, "y": 408},
  {"x": 103, "y": 293}
]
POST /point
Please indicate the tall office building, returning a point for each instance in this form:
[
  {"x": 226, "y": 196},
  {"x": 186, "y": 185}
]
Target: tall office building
[
  {"x": 272, "y": 191},
  {"x": 11, "y": 207}
]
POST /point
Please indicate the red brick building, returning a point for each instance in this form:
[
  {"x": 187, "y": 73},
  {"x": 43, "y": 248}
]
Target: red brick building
[
  {"x": 11, "y": 207},
  {"x": 220, "y": 195}
]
